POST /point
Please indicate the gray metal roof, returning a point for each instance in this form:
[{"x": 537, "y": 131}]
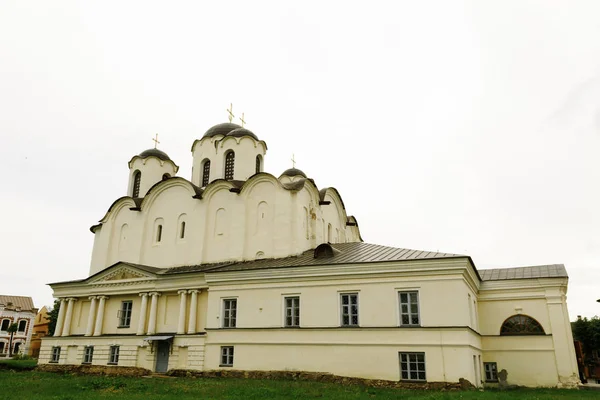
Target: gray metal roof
[
  {"x": 538, "y": 271},
  {"x": 348, "y": 253}
]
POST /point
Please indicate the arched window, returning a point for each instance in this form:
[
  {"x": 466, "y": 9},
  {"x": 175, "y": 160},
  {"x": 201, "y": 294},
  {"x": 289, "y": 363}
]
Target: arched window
[
  {"x": 16, "y": 348},
  {"x": 182, "y": 230},
  {"x": 5, "y": 324},
  {"x": 22, "y": 325},
  {"x": 205, "y": 172},
  {"x": 158, "y": 233},
  {"x": 258, "y": 162},
  {"x": 521, "y": 325},
  {"x": 137, "y": 178},
  {"x": 329, "y": 238},
  {"x": 1, "y": 347},
  {"x": 229, "y": 163},
  {"x": 166, "y": 176}
]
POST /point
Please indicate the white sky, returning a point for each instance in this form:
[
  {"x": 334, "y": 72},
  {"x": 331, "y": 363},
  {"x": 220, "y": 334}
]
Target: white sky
[{"x": 464, "y": 127}]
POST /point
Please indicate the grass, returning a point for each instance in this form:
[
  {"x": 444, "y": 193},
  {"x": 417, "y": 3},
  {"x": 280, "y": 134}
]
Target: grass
[
  {"x": 18, "y": 364},
  {"x": 44, "y": 385}
]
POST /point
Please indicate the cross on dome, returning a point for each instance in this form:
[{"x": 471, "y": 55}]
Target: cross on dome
[{"x": 155, "y": 140}]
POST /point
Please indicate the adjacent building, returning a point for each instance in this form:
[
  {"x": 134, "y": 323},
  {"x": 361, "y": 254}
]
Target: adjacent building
[
  {"x": 18, "y": 310},
  {"x": 239, "y": 268}
]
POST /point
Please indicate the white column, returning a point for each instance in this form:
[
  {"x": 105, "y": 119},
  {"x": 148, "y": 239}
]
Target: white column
[
  {"x": 153, "y": 310},
  {"x": 89, "y": 331},
  {"x": 68, "y": 316},
  {"x": 100, "y": 316},
  {"x": 143, "y": 310},
  {"x": 193, "y": 311},
  {"x": 61, "y": 318},
  {"x": 182, "y": 304}
]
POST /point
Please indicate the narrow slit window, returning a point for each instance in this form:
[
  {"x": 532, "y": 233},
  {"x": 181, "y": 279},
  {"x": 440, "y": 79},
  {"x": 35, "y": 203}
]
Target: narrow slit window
[
  {"x": 158, "y": 233},
  {"x": 229, "y": 165},
  {"x": 206, "y": 173},
  {"x": 257, "y": 164},
  {"x": 182, "y": 230},
  {"x": 137, "y": 178}
]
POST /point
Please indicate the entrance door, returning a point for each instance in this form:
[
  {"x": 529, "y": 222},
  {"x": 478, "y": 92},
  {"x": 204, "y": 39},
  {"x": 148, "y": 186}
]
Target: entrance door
[{"x": 162, "y": 356}]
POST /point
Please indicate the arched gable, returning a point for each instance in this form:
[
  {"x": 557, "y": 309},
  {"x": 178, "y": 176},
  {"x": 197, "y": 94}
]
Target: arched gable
[
  {"x": 165, "y": 185},
  {"x": 116, "y": 206},
  {"x": 221, "y": 143},
  {"x": 334, "y": 196}
]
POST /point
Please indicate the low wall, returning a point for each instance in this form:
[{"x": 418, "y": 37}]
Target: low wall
[{"x": 93, "y": 370}]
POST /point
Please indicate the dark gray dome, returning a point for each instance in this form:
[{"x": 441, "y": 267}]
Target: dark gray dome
[
  {"x": 239, "y": 132},
  {"x": 155, "y": 153},
  {"x": 221, "y": 129},
  {"x": 293, "y": 172}
]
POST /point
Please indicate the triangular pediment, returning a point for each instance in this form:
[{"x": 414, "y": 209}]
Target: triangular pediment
[{"x": 122, "y": 273}]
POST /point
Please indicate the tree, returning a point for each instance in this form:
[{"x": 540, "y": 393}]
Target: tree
[
  {"x": 53, "y": 317},
  {"x": 11, "y": 329},
  {"x": 587, "y": 331}
]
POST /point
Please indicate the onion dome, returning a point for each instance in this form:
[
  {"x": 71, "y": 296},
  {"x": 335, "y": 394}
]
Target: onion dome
[
  {"x": 239, "y": 132},
  {"x": 155, "y": 153},
  {"x": 221, "y": 129},
  {"x": 293, "y": 172}
]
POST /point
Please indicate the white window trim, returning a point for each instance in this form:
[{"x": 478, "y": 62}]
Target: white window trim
[
  {"x": 400, "y": 365},
  {"x": 223, "y": 299},
  {"x": 221, "y": 356},
  {"x": 399, "y": 307},
  {"x": 111, "y": 355},
  {"x": 341, "y": 317},
  {"x": 284, "y": 307}
]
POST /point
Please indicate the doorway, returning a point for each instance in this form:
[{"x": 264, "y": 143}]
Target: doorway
[{"x": 163, "y": 348}]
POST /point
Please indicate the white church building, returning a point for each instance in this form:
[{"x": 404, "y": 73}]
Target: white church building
[{"x": 240, "y": 269}]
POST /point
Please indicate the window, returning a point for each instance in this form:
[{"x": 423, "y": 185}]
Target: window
[
  {"x": 226, "y": 356},
  {"x": 137, "y": 178},
  {"x": 349, "y": 309},
  {"x": 16, "y": 348},
  {"x": 113, "y": 357},
  {"x": 229, "y": 313},
  {"x": 5, "y": 324},
  {"x": 205, "y": 172},
  {"x": 182, "y": 230},
  {"x": 158, "y": 233},
  {"x": 166, "y": 176},
  {"x": 491, "y": 371},
  {"x": 124, "y": 314},
  {"x": 55, "y": 354},
  {"x": 292, "y": 311},
  {"x": 88, "y": 354},
  {"x": 412, "y": 366},
  {"x": 22, "y": 325},
  {"x": 409, "y": 308},
  {"x": 229, "y": 164},
  {"x": 521, "y": 325},
  {"x": 1, "y": 347},
  {"x": 257, "y": 164}
]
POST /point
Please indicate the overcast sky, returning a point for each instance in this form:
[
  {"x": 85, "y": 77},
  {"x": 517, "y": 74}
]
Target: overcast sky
[{"x": 464, "y": 127}]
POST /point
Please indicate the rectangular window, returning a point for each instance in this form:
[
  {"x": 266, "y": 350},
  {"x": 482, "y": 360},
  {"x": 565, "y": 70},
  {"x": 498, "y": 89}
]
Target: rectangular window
[
  {"x": 409, "y": 308},
  {"x": 229, "y": 313},
  {"x": 292, "y": 311},
  {"x": 349, "y": 309},
  {"x": 412, "y": 367},
  {"x": 88, "y": 354},
  {"x": 5, "y": 324},
  {"x": 491, "y": 372},
  {"x": 226, "y": 356},
  {"x": 55, "y": 354},
  {"x": 113, "y": 357},
  {"x": 22, "y": 325},
  {"x": 124, "y": 314}
]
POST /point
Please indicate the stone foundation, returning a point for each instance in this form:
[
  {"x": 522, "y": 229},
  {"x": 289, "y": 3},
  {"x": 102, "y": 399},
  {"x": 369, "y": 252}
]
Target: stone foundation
[
  {"x": 463, "y": 384},
  {"x": 94, "y": 370}
]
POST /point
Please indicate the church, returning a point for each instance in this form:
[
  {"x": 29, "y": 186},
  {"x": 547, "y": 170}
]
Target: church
[{"x": 241, "y": 269}]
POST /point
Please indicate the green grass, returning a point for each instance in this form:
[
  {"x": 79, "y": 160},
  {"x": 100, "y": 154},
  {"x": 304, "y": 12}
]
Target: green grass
[
  {"x": 18, "y": 364},
  {"x": 44, "y": 385}
]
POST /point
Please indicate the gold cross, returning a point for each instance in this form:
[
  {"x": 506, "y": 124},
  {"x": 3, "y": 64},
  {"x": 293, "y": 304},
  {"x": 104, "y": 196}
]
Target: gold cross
[
  {"x": 230, "y": 111},
  {"x": 155, "y": 140},
  {"x": 293, "y": 161},
  {"x": 242, "y": 119}
]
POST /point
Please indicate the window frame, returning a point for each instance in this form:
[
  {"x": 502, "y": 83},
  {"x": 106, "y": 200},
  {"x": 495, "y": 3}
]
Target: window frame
[
  {"x": 294, "y": 312},
  {"x": 137, "y": 179},
  {"x": 408, "y": 363},
  {"x": 410, "y": 314},
  {"x": 24, "y": 321},
  {"x": 55, "y": 354},
  {"x": 493, "y": 371},
  {"x": 229, "y": 320},
  {"x": 229, "y": 169},
  {"x": 227, "y": 356},
  {"x": 88, "y": 354},
  {"x": 349, "y": 314},
  {"x": 205, "y": 173},
  {"x": 7, "y": 324},
  {"x": 2, "y": 346},
  {"x": 505, "y": 329},
  {"x": 113, "y": 355},
  {"x": 124, "y": 314}
]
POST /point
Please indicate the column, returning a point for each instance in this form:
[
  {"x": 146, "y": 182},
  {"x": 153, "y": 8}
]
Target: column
[
  {"x": 143, "y": 310},
  {"x": 153, "y": 310},
  {"x": 68, "y": 316},
  {"x": 100, "y": 316},
  {"x": 92, "y": 317},
  {"x": 182, "y": 304},
  {"x": 193, "y": 311},
  {"x": 61, "y": 318}
]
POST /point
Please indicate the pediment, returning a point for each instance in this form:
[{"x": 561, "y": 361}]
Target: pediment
[{"x": 121, "y": 274}]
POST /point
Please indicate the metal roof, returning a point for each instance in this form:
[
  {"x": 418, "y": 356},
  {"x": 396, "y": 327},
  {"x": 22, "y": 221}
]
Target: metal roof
[
  {"x": 26, "y": 303},
  {"x": 538, "y": 271},
  {"x": 348, "y": 253}
]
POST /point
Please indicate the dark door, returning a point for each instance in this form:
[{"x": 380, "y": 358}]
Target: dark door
[{"x": 162, "y": 356}]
